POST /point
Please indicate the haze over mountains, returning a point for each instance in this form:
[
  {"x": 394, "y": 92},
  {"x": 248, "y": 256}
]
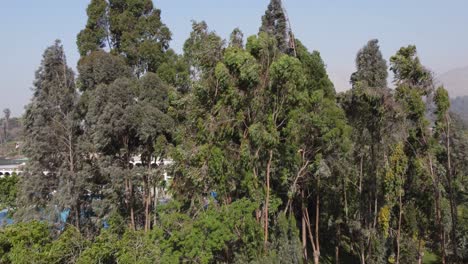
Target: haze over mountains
[{"x": 455, "y": 81}]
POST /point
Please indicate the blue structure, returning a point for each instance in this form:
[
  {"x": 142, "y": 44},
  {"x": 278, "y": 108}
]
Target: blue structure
[{"x": 4, "y": 219}]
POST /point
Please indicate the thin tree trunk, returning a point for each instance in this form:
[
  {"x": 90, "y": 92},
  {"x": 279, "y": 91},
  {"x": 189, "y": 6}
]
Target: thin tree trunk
[
  {"x": 304, "y": 237},
  {"x": 420, "y": 252},
  {"x": 267, "y": 200},
  {"x": 337, "y": 246},
  {"x": 132, "y": 210},
  {"x": 400, "y": 213},
  {"x": 146, "y": 200},
  {"x": 363, "y": 256},
  {"x": 72, "y": 173},
  {"x": 128, "y": 184},
  {"x": 155, "y": 204},
  {"x": 438, "y": 213},
  {"x": 317, "y": 222},
  {"x": 453, "y": 206},
  {"x": 345, "y": 199},
  {"x": 77, "y": 215}
]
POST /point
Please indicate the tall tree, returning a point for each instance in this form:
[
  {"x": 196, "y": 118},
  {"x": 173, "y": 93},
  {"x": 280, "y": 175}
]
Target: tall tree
[
  {"x": 237, "y": 38},
  {"x": 132, "y": 29},
  {"x": 371, "y": 66},
  {"x": 443, "y": 133},
  {"x": 6, "y": 122},
  {"x": 375, "y": 116},
  {"x": 50, "y": 177},
  {"x": 275, "y": 23},
  {"x": 202, "y": 50},
  {"x": 414, "y": 83}
]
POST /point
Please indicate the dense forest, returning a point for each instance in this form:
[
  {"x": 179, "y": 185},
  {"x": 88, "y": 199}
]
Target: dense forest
[{"x": 267, "y": 162}]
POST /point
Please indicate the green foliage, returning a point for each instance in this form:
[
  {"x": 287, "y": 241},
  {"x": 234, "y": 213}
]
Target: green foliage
[
  {"x": 371, "y": 67},
  {"x": 8, "y": 191},
  {"x": 68, "y": 246},
  {"x": 269, "y": 163},
  {"x": 384, "y": 220},
  {"x": 203, "y": 49},
  {"x": 129, "y": 28},
  {"x": 275, "y": 23},
  {"x": 25, "y": 243},
  {"x": 407, "y": 69},
  {"x": 395, "y": 174}
]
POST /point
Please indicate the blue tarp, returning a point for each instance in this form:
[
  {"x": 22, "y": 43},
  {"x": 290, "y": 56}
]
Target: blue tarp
[{"x": 4, "y": 219}]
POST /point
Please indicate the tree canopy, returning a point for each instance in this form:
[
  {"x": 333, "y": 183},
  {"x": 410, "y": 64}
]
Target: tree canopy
[{"x": 234, "y": 151}]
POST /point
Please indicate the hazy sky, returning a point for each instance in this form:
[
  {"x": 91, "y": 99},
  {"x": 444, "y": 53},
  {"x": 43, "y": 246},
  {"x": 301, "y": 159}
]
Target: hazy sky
[{"x": 336, "y": 28}]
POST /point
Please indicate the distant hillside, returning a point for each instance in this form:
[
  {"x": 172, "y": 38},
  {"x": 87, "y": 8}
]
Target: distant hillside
[
  {"x": 455, "y": 81},
  {"x": 460, "y": 107}
]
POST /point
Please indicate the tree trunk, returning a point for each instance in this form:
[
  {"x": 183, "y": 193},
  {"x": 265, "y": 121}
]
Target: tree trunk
[
  {"x": 77, "y": 215},
  {"x": 146, "y": 200},
  {"x": 440, "y": 227},
  {"x": 317, "y": 222},
  {"x": 420, "y": 252},
  {"x": 155, "y": 204},
  {"x": 304, "y": 237},
  {"x": 337, "y": 254},
  {"x": 267, "y": 200},
  {"x": 453, "y": 206},
  {"x": 363, "y": 256},
  {"x": 400, "y": 213},
  {"x": 132, "y": 211}
]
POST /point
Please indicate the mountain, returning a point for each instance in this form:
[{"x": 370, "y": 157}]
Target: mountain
[
  {"x": 455, "y": 81},
  {"x": 459, "y": 106}
]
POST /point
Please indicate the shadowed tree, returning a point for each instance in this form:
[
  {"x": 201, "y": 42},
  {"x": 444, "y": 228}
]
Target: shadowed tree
[
  {"x": 51, "y": 180},
  {"x": 132, "y": 29},
  {"x": 275, "y": 23},
  {"x": 236, "y": 39},
  {"x": 371, "y": 66}
]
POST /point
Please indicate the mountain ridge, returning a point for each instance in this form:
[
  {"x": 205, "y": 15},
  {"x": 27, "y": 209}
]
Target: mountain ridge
[{"x": 455, "y": 81}]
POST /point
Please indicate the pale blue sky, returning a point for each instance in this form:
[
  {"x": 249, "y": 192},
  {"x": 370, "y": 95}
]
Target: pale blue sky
[{"x": 336, "y": 28}]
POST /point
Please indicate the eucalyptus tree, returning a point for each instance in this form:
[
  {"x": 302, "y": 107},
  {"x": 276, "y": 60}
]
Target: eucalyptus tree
[
  {"x": 371, "y": 66},
  {"x": 236, "y": 39},
  {"x": 275, "y": 23},
  {"x": 132, "y": 29},
  {"x": 377, "y": 124},
  {"x": 247, "y": 123},
  {"x": 414, "y": 85},
  {"x": 202, "y": 50},
  {"x": 51, "y": 178},
  {"x": 443, "y": 134},
  {"x": 154, "y": 130}
]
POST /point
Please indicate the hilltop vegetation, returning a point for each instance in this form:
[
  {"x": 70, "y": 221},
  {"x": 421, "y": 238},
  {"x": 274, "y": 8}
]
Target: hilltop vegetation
[{"x": 269, "y": 163}]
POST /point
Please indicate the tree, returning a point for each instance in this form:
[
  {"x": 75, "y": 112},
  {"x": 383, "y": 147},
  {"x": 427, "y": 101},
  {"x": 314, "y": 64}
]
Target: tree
[
  {"x": 25, "y": 243},
  {"x": 275, "y": 23},
  {"x": 394, "y": 180},
  {"x": 414, "y": 83},
  {"x": 8, "y": 192},
  {"x": 443, "y": 134},
  {"x": 132, "y": 29},
  {"x": 202, "y": 50},
  {"x": 408, "y": 70},
  {"x": 237, "y": 38},
  {"x": 371, "y": 66},
  {"x": 51, "y": 144},
  {"x": 6, "y": 122},
  {"x": 375, "y": 116}
]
